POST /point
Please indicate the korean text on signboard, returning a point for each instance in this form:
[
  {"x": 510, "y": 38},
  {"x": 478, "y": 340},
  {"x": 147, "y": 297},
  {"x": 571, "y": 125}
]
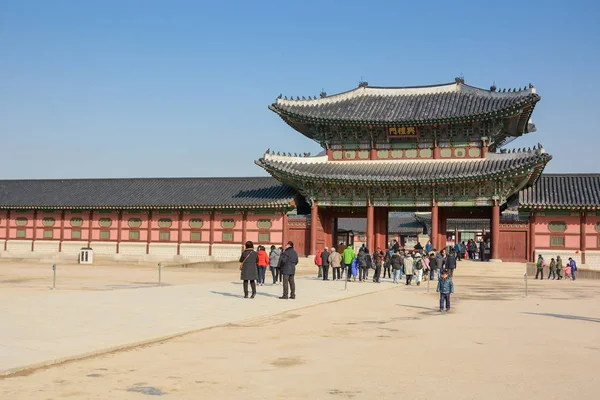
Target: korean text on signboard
[{"x": 402, "y": 132}]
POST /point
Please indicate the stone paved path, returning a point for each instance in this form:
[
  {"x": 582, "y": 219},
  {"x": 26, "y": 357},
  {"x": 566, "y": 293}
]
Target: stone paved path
[{"x": 47, "y": 327}]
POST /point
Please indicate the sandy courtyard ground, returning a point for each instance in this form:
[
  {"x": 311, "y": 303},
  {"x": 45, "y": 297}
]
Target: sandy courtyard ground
[{"x": 494, "y": 344}]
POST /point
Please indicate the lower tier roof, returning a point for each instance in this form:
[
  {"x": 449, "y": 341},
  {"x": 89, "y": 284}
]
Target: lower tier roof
[
  {"x": 257, "y": 192},
  {"x": 562, "y": 191},
  {"x": 403, "y": 171}
]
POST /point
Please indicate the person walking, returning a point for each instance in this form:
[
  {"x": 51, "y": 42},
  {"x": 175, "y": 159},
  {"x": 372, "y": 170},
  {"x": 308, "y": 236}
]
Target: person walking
[
  {"x": 418, "y": 266},
  {"x": 459, "y": 250},
  {"x": 287, "y": 265},
  {"x": 482, "y": 251},
  {"x": 573, "y": 266},
  {"x": 335, "y": 263},
  {"x": 274, "y": 263},
  {"x": 347, "y": 258},
  {"x": 396, "y": 262},
  {"x": 445, "y": 288},
  {"x": 263, "y": 263},
  {"x": 325, "y": 263},
  {"x": 552, "y": 272},
  {"x": 451, "y": 263},
  {"x": 540, "y": 267},
  {"x": 378, "y": 257},
  {"x": 440, "y": 260},
  {"x": 408, "y": 267},
  {"x": 363, "y": 263},
  {"x": 559, "y": 267},
  {"x": 249, "y": 268},
  {"x": 387, "y": 265},
  {"x": 428, "y": 247},
  {"x": 319, "y": 263},
  {"x": 432, "y": 265}
]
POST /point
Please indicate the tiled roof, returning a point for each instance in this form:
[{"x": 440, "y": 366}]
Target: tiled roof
[
  {"x": 562, "y": 191},
  {"x": 449, "y": 102},
  {"x": 258, "y": 192},
  {"x": 403, "y": 171}
]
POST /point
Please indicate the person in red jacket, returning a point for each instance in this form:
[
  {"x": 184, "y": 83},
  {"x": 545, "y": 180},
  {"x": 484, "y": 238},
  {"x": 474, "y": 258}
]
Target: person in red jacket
[
  {"x": 319, "y": 263},
  {"x": 263, "y": 263}
]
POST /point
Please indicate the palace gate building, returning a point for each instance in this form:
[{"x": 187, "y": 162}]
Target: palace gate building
[{"x": 437, "y": 151}]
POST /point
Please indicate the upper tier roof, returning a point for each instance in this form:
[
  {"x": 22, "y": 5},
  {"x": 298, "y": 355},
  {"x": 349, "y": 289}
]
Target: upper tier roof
[
  {"x": 449, "y": 102},
  {"x": 562, "y": 191},
  {"x": 403, "y": 171},
  {"x": 172, "y": 193}
]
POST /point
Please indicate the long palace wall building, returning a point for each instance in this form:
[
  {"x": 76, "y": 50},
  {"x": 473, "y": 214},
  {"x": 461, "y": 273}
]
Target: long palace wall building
[{"x": 434, "y": 150}]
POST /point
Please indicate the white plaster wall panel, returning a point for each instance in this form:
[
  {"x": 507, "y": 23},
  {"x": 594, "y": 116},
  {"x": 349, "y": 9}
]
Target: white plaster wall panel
[
  {"x": 226, "y": 251},
  {"x": 46, "y": 246},
  {"x": 104, "y": 248},
  {"x": 163, "y": 249},
  {"x": 194, "y": 250},
  {"x": 72, "y": 248},
  {"x": 19, "y": 246},
  {"x": 132, "y": 249},
  {"x": 592, "y": 259}
]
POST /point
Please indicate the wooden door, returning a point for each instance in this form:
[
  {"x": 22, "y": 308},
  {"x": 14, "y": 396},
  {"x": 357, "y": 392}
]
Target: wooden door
[
  {"x": 513, "y": 246},
  {"x": 301, "y": 239}
]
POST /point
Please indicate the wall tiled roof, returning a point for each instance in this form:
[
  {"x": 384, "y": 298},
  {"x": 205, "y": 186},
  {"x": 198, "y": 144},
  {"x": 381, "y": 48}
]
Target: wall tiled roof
[
  {"x": 451, "y": 101},
  {"x": 404, "y": 171},
  {"x": 562, "y": 191},
  {"x": 258, "y": 192}
]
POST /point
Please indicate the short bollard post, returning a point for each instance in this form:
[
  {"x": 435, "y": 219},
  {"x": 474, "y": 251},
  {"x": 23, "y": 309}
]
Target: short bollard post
[
  {"x": 53, "y": 276},
  {"x": 525, "y": 277},
  {"x": 159, "y": 274}
]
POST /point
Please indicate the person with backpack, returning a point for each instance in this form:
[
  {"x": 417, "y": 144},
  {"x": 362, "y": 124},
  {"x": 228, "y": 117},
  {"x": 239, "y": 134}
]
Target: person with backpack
[
  {"x": 418, "y": 266},
  {"x": 573, "y": 266},
  {"x": 540, "y": 267},
  {"x": 396, "y": 262},
  {"x": 552, "y": 272},
  {"x": 559, "y": 267},
  {"x": 364, "y": 262},
  {"x": 408, "y": 267},
  {"x": 451, "y": 263},
  {"x": 347, "y": 259}
]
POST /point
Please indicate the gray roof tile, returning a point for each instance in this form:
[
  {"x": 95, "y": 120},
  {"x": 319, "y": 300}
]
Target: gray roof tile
[{"x": 562, "y": 191}]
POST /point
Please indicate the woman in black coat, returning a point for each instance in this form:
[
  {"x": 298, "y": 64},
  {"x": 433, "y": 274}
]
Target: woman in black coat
[{"x": 249, "y": 268}]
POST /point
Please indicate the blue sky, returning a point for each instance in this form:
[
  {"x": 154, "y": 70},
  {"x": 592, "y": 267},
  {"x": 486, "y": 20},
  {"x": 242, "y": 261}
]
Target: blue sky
[{"x": 181, "y": 88}]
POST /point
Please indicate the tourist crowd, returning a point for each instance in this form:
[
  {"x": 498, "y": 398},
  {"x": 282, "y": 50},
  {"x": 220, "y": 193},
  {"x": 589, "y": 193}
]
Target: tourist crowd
[{"x": 555, "y": 267}]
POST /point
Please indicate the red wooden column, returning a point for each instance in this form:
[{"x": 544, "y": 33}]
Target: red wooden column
[
  {"x": 531, "y": 247},
  {"x": 149, "y": 232},
  {"x": 370, "y": 225},
  {"x": 35, "y": 217},
  {"x": 582, "y": 232},
  {"x": 62, "y": 230},
  {"x": 180, "y": 232},
  {"x": 314, "y": 217},
  {"x": 495, "y": 231},
  {"x": 284, "y": 228},
  {"x": 442, "y": 229},
  {"x": 90, "y": 228},
  {"x": 7, "y": 229},
  {"x": 211, "y": 234},
  {"x": 244, "y": 228},
  {"x": 434, "y": 225},
  {"x": 119, "y": 225}
]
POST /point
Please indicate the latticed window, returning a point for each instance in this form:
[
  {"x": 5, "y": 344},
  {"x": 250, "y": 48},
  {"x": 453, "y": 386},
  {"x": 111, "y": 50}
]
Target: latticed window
[
  {"x": 165, "y": 223},
  {"x": 264, "y": 224},
  {"x": 557, "y": 226},
  {"x": 105, "y": 222},
  {"x": 164, "y": 236},
  {"x": 228, "y": 224},
  {"x": 104, "y": 235},
  {"x": 264, "y": 237},
  {"x": 134, "y": 222},
  {"x": 21, "y": 233},
  {"x": 557, "y": 241},
  {"x": 76, "y": 221},
  {"x": 134, "y": 235},
  {"x": 21, "y": 221},
  {"x": 196, "y": 236},
  {"x": 76, "y": 234},
  {"x": 49, "y": 221},
  {"x": 48, "y": 233},
  {"x": 196, "y": 223},
  {"x": 228, "y": 236}
]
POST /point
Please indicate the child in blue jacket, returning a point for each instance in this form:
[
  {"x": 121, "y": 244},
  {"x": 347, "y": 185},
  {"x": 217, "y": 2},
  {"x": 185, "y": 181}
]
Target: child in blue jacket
[{"x": 445, "y": 288}]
